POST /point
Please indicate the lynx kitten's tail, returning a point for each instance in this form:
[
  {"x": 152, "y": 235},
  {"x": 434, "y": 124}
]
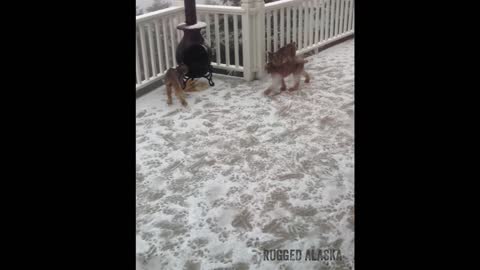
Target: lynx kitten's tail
[{"x": 195, "y": 86}]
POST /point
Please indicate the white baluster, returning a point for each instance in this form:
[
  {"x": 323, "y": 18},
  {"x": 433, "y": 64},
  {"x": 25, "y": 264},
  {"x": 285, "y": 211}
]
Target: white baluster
[
  {"x": 300, "y": 23},
  {"x": 337, "y": 16},
  {"x": 331, "y": 18},
  {"x": 306, "y": 24},
  {"x": 282, "y": 27},
  {"x": 137, "y": 63},
  {"x": 269, "y": 31},
  {"x": 317, "y": 21},
  {"x": 235, "y": 39},
  {"x": 227, "y": 39},
  {"x": 209, "y": 35},
  {"x": 323, "y": 14},
  {"x": 312, "y": 21},
  {"x": 165, "y": 47},
  {"x": 152, "y": 50},
  {"x": 294, "y": 27},
  {"x": 342, "y": 10},
  {"x": 146, "y": 72},
  {"x": 350, "y": 19},
  {"x": 159, "y": 47},
  {"x": 217, "y": 38},
  {"x": 172, "y": 40},
  {"x": 275, "y": 30},
  {"x": 289, "y": 24}
]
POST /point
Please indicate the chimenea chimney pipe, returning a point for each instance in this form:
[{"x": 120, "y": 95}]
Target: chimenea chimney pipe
[{"x": 190, "y": 12}]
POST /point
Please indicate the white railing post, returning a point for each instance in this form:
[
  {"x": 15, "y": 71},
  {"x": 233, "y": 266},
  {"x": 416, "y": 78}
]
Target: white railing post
[
  {"x": 253, "y": 32},
  {"x": 260, "y": 39},
  {"x": 246, "y": 39}
]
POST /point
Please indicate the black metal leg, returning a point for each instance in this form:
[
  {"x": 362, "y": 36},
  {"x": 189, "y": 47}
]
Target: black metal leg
[{"x": 209, "y": 76}]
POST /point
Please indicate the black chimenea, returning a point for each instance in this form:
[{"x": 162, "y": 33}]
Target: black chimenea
[{"x": 192, "y": 49}]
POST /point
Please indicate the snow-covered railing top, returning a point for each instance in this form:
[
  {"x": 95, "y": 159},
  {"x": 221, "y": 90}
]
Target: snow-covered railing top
[
  {"x": 240, "y": 36},
  {"x": 220, "y": 9},
  {"x": 158, "y": 14},
  {"x": 282, "y": 4}
]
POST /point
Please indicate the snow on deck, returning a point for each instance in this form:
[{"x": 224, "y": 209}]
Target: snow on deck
[{"x": 236, "y": 172}]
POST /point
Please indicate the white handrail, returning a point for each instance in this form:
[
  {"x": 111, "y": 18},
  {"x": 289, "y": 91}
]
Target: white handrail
[
  {"x": 220, "y": 9},
  {"x": 158, "y": 14},
  {"x": 282, "y": 4}
]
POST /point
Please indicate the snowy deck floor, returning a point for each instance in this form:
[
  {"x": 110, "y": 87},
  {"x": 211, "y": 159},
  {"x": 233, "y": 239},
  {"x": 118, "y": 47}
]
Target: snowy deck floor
[{"x": 237, "y": 172}]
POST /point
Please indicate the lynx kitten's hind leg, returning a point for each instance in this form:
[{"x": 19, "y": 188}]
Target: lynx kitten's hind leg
[
  {"x": 284, "y": 86},
  {"x": 169, "y": 94},
  {"x": 297, "y": 83},
  {"x": 180, "y": 95}
]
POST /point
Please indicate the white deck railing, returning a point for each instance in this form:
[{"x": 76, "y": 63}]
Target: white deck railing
[{"x": 262, "y": 27}]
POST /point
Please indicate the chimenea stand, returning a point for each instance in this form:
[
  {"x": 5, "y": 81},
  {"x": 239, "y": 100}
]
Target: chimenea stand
[{"x": 192, "y": 49}]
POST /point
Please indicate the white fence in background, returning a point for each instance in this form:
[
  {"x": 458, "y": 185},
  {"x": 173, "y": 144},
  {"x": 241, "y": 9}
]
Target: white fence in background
[{"x": 262, "y": 27}]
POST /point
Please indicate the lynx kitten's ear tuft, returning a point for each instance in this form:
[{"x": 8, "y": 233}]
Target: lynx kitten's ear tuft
[
  {"x": 183, "y": 67},
  {"x": 270, "y": 56}
]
